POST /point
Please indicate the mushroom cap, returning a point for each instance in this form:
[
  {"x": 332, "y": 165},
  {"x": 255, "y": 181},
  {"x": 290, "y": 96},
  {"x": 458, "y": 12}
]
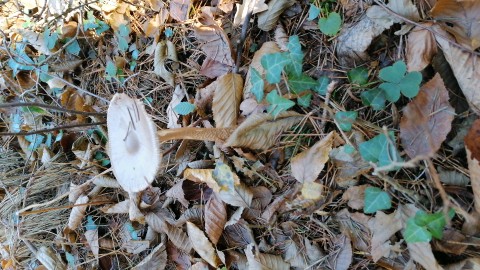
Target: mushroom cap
[{"x": 132, "y": 143}]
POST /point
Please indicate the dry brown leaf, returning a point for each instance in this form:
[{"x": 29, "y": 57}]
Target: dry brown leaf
[
  {"x": 262, "y": 261},
  {"x": 34, "y": 39},
  {"x": 226, "y": 5},
  {"x": 156, "y": 222},
  {"x": 465, "y": 68},
  {"x": 460, "y": 18},
  {"x": 118, "y": 208},
  {"x": 341, "y": 257},
  {"x": 194, "y": 214},
  {"x": 472, "y": 145},
  {"x": 179, "y": 9},
  {"x": 262, "y": 196},
  {"x": 197, "y": 134},
  {"x": 78, "y": 212},
  {"x": 226, "y": 100},
  {"x": 383, "y": 227},
  {"x": 239, "y": 234},
  {"x": 215, "y": 218},
  {"x": 92, "y": 239},
  {"x": 66, "y": 66},
  {"x": 307, "y": 165},
  {"x": 355, "y": 196},
  {"x": 260, "y": 131},
  {"x": 49, "y": 259},
  {"x": 106, "y": 182},
  {"x": 178, "y": 237},
  {"x": 173, "y": 117},
  {"x": 161, "y": 53},
  {"x": 235, "y": 217},
  {"x": 177, "y": 193},
  {"x": 269, "y": 18},
  {"x": 216, "y": 45},
  {"x": 72, "y": 100},
  {"x": 466, "y": 264},
  {"x": 421, "y": 47},
  {"x": 240, "y": 196},
  {"x": 202, "y": 245},
  {"x": 420, "y": 252},
  {"x": 202, "y": 176},
  {"x": 312, "y": 191},
  {"x": 135, "y": 246},
  {"x": 157, "y": 259},
  {"x": 200, "y": 266},
  {"x": 427, "y": 119}
]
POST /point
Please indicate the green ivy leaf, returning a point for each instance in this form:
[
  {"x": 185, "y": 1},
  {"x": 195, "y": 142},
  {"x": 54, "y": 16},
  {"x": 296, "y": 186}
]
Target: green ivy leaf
[
  {"x": 301, "y": 83},
  {"x": 257, "y": 84},
  {"x": 414, "y": 233},
  {"x": 50, "y": 38},
  {"x": 305, "y": 100},
  {"x": 35, "y": 141},
  {"x": 380, "y": 150},
  {"x": 274, "y": 63},
  {"x": 410, "y": 85},
  {"x": 313, "y": 12},
  {"x": 374, "y": 98},
  {"x": 331, "y": 24},
  {"x": 394, "y": 73},
  {"x": 110, "y": 71},
  {"x": 184, "y": 108},
  {"x": 44, "y": 77},
  {"x": 122, "y": 43},
  {"x": 123, "y": 30},
  {"x": 322, "y": 85},
  {"x": 358, "y": 75},
  {"x": 346, "y": 119},
  {"x": 295, "y": 55},
  {"x": 90, "y": 22},
  {"x": 73, "y": 48},
  {"x": 278, "y": 103},
  {"x": 102, "y": 27},
  {"x": 435, "y": 223},
  {"x": 376, "y": 199}
]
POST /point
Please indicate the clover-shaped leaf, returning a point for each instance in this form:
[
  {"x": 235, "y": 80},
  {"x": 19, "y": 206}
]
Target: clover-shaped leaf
[
  {"x": 396, "y": 81},
  {"x": 331, "y": 24}
]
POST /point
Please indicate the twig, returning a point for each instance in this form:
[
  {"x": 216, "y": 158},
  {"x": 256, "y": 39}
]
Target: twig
[
  {"x": 51, "y": 129},
  {"x": 330, "y": 88},
  {"x": 388, "y": 10},
  {"x": 243, "y": 35},
  {"x": 52, "y": 107}
]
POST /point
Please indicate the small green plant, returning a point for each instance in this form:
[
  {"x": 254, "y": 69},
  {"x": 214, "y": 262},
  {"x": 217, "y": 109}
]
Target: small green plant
[
  {"x": 358, "y": 76},
  {"x": 330, "y": 24},
  {"x": 346, "y": 119},
  {"x": 184, "y": 108},
  {"x": 376, "y": 199},
  {"x": 290, "y": 63},
  {"x": 380, "y": 150},
  {"x": 396, "y": 81},
  {"x": 424, "y": 226},
  {"x": 92, "y": 23}
]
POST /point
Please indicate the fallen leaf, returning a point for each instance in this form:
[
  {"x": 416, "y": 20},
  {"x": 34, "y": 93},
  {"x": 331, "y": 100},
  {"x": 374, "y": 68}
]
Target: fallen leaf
[
  {"x": 465, "y": 68},
  {"x": 460, "y": 18},
  {"x": 178, "y": 237},
  {"x": 239, "y": 234},
  {"x": 355, "y": 196},
  {"x": 215, "y": 218},
  {"x": 156, "y": 259},
  {"x": 92, "y": 239},
  {"x": 427, "y": 119},
  {"x": 341, "y": 257},
  {"x": 260, "y": 131},
  {"x": 198, "y": 134},
  {"x": 161, "y": 55},
  {"x": 349, "y": 163},
  {"x": 307, "y": 165},
  {"x": 312, "y": 191},
  {"x": 466, "y": 264},
  {"x": 269, "y": 18},
  {"x": 36, "y": 40},
  {"x": 173, "y": 117},
  {"x": 202, "y": 246},
  {"x": 383, "y": 227},
  {"x": 179, "y": 9},
  {"x": 78, "y": 212},
  {"x": 263, "y": 261},
  {"x": 226, "y": 100},
  {"x": 49, "y": 258},
  {"x": 176, "y": 192},
  {"x": 194, "y": 214},
  {"x": 472, "y": 146},
  {"x": 202, "y": 176},
  {"x": 136, "y": 246},
  {"x": 255, "y": 6},
  {"x": 240, "y": 196},
  {"x": 216, "y": 45},
  {"x": 421, "y": 47},
  {"x": 181, "y": 259},
  {"x": 118, "y": 208}
]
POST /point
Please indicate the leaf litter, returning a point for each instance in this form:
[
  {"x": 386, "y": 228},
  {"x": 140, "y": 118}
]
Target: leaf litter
[{"x": 181, "y": 135}]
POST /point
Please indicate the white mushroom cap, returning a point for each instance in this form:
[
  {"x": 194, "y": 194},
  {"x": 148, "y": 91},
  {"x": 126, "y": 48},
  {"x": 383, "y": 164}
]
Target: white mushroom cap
[{"x": 132, "y": 143}]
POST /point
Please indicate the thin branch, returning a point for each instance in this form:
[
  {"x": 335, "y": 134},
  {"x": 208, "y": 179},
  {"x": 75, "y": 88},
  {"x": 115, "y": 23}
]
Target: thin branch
[
  {"x": 51, "y": 107},
  {"x": 243, "y": 35},
  {"x": 51, "y": 129}
]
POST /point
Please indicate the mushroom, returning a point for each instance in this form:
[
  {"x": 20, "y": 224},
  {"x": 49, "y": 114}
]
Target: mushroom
[{"x": 132, "y": 143}]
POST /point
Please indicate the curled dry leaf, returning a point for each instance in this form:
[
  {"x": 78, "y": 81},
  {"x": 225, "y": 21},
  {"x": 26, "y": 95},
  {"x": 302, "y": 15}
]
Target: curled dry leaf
[
  {"x": 269, "y": 18},
  {"x": 34, "y": 39},
  {"x": 49, "y": 259},
  {"x": 307, "y": 165},
  {"x": 132, "y": 143},
  {"x": 177, "y": 193},
  {"x": 427, "y": 119},
  {"x": 92, "y": 239},
  {"x": 261, "y": 261},
  {"x": 260, "y": 131},
  {"x": 465, "y": 68},
  {"x": 421, "y": 47},
  {"x": 239, "y": 196},
  {"x": 202, "y": 176},
  {"x": 178, "y": 237},
  {"x": 105, "y": 181},
  {"x": 157, "y": 259},
  {"x": 173, "y": 117},
  {"x": 472, "y": 145},
  {"x": 383, "y": 227},
  {"x": 341, "y": 257},
  {"x": 255, "y": 6},
  {"x": 202, "y": 246},
  {"x": 215, "y": 218},
  {"x": 78, "y": 212},
  {"x": 161, "y": 55},
  {"x": 197, "y": 134},
  {"x": 460, "y": 18},
  {"x": 118, "y": 208},
  {"x": 226, "y": 100}
]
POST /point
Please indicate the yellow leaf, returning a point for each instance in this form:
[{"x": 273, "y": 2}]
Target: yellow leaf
[
  {"x": 312, "y": 191},
  {"x": 202, "y": 176}
]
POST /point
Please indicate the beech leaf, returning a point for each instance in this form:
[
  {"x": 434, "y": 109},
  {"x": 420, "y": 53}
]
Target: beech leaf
[
  {"x": 202, "y": 246},
  {"x": 268, "y": 19},
  {"x": 226, "y": 100},
  {"x": 215, "y": 218}
]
